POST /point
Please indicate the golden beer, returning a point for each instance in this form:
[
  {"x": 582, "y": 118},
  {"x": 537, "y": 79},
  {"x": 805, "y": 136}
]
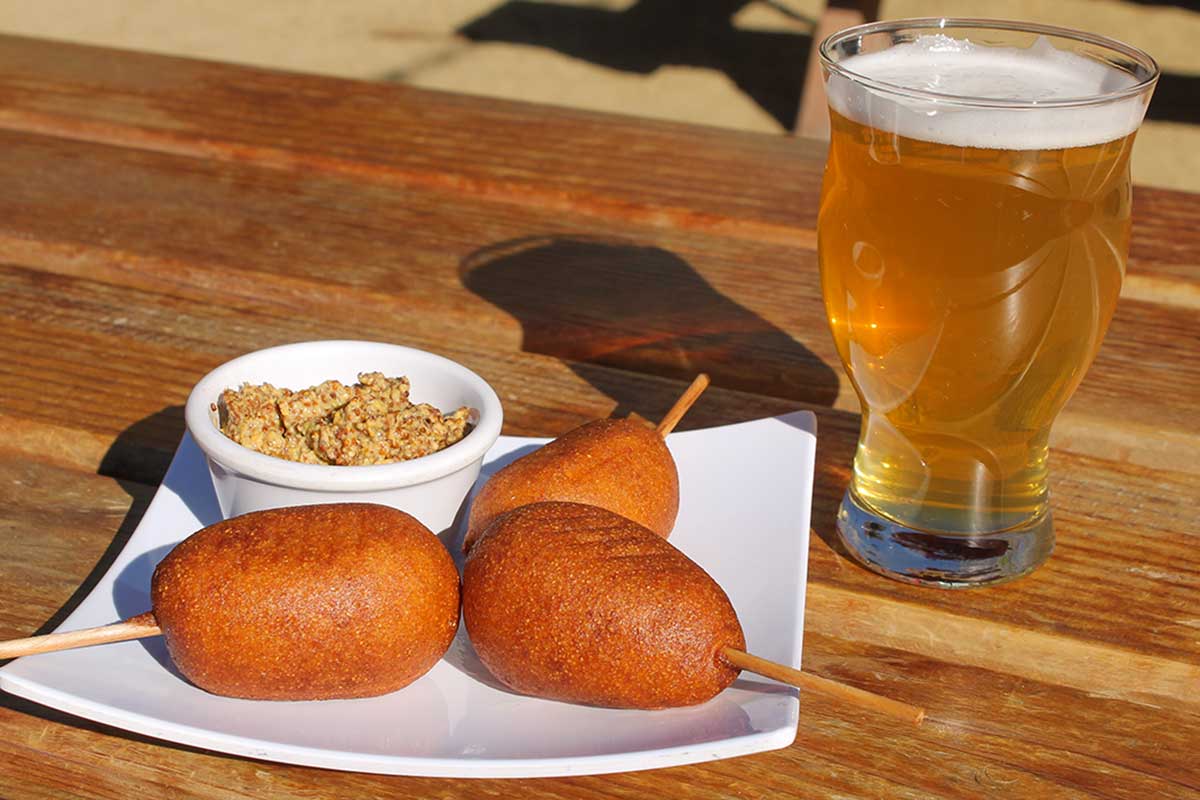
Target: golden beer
[
  {"x": 967, "y": 314},
  {"x": 968, "y": 287}
]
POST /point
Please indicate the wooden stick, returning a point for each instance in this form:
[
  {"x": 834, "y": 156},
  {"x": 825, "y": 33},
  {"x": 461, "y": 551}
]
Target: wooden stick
[
  {"x": 138, "y": 627},
  {"x": 685, "y": 401},
  {"x": 803, "y": 680},
  {"x": 771, "y": 669},
  {"x": 144, "y": 625}
]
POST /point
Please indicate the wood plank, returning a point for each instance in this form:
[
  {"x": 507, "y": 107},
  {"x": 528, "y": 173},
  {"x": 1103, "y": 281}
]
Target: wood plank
[
  {"x": 60, "y": 531},
  {"x": 71, "y": 370},
  {"x": 989, "y": 729},
  {"x": 156, "y": 221},
  {"x": 750, "y": 314},
  {"x": 119, "y": 364},
  {"x": 259, "y": 239},
  {"x": 87, "y": 309},
  {"x": 648, "y": 172},
  {"x": 1123, "y": 572},
  {"x": 1094, "y": 745},
  {"x": 1165, "y": 246},
  {"x": 1052, "y": 657},
  {"x": 518, "y": 153}
]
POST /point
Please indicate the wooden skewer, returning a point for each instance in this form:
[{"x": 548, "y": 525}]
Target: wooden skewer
[
  {"x": 771, "y": 669},
  {"x": 803, "y": 680},
  {"x": 144, "y": 625},
  {"x": 685, "y": 401},
  {"x": 138, "y": 627}
]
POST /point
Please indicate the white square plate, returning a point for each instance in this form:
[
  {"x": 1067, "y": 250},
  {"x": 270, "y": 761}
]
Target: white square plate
[{"x": 746, "y": 491}]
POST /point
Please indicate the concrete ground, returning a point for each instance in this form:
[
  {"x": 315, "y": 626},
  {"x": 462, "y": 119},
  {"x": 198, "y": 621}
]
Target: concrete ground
[{"x": 720, "y": 62}]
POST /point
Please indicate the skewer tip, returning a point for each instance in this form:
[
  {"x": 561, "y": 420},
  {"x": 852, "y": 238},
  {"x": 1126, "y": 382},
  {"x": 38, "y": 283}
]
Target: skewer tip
[
  {"x": 804, "y": 680},
  {"x": 685, "y": 402}
]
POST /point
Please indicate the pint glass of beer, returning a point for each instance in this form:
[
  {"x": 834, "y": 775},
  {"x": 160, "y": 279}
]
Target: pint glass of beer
[{"x": 973, "y": 232}]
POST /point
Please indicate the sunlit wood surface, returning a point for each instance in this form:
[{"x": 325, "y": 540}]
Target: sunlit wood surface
[{"x": 159, "y": 215}]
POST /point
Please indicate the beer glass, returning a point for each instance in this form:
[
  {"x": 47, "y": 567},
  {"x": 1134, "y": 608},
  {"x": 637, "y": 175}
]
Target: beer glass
[{"x": 973, "y": 232}]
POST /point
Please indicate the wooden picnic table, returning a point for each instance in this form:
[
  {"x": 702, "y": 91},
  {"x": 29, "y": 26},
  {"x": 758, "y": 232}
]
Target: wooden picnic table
[{"x": 161, "y": 215}]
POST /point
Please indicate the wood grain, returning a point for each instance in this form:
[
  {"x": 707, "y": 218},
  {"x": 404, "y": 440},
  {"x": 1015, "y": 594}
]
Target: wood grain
[
  {"x": 641, "y": 299},
  {"x": 161, "y": 215},
  {"x": 1000, "y": 732},
  {"x": 408, "y": 137},
  {"x": 1104, "y": 671},
  {"x": 1091, "y": 490},
  {"x": 737, "y": 184}
]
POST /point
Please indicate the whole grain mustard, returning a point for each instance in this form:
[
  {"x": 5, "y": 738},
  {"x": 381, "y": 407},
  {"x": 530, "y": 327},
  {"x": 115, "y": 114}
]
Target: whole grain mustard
[{"x": 371, "y": 422}]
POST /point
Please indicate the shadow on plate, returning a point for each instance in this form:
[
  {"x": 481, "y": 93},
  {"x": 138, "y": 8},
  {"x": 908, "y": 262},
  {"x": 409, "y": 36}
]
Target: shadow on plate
[
  {"x": 462, "y": 657},
  {"x": 759, "y": 687},
  {"x": 131, "y": 596},
  {"x": 453, "y": 536},
  {"x": 192, "y": 483}
]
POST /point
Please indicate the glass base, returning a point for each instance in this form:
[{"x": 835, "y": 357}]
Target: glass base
[{"x": 948, "y": 561}]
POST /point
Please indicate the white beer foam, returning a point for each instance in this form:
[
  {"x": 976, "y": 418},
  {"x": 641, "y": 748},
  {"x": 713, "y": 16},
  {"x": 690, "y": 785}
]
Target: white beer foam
[{"x": 945, "y": 65}]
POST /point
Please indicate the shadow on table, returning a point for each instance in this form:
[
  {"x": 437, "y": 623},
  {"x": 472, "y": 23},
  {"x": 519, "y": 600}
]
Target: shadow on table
[
  {"x": 768, "y": 66},
  {"x": 138, "y": 465},
  {"x": 1176, "y": 99},
  {"x": 641, "y": 309}
]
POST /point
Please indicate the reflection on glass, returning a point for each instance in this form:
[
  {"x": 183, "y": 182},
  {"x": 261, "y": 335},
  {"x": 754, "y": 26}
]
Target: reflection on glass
[{"x": 971, "y": 258}]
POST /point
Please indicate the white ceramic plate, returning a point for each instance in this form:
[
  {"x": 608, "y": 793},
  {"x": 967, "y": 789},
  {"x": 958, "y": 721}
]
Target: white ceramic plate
[{"x": 744, "y": 516}]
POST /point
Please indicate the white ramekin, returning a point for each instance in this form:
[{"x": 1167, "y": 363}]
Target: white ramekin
[{"x": 431, "y": 488}]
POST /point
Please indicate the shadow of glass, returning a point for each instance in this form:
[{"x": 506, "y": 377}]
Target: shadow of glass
[{"x": 641, "y": 309}]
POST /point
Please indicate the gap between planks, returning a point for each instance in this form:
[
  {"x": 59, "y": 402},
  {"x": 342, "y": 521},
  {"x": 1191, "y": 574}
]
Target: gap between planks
[
  {"x": 1149, "y": 288},
  {"x": 1164, "y": 291},
  {"x": 1100, "y": 670},
  {"x": 519, "y": 193},
  {"x": 1128, "y": 442}
]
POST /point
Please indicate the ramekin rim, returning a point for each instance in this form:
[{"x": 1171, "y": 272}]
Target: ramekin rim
[{"x": 320, "y": 477}]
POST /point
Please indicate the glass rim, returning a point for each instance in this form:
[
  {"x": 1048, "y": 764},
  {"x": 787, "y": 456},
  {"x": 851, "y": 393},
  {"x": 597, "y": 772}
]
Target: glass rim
[{"x": 824, "y": 51}]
